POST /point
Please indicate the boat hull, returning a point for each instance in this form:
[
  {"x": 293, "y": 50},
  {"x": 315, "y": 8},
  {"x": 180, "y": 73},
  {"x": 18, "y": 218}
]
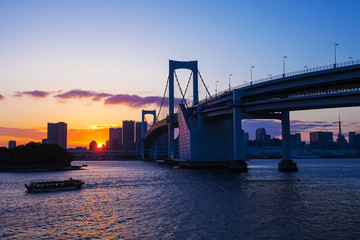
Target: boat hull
[{"x": 54, "y": 186}]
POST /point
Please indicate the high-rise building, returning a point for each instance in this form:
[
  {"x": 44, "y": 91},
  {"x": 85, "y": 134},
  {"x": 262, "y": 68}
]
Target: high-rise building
[
  {"x": 260, "y": 133},
  {"x": 321, "y": 139},
  {"x": 93, "y": 145},
  {"x": 295, "y": 140},
  {"x": 115, "y": 138},
  {"x": 128, "y": 132},
  {"x": 352, "y": 138},
  {"x": 57, "y": 134},
  {"x": 12, "y": 144},
  {"x": 138, "y": 131}
]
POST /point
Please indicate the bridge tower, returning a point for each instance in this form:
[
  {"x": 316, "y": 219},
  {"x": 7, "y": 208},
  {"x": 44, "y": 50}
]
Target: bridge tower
[
  {"x": 173, "y": 65},
  {"x": 144, "y": 129}
]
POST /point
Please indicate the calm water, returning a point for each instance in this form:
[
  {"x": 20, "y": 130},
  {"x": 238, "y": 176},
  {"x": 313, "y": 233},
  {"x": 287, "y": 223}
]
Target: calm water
[{"x": 143, "y": 200}]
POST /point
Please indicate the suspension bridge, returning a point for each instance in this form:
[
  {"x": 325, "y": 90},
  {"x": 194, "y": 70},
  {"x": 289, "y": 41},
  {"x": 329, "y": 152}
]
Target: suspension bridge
[{"x": 210, "y": 131}]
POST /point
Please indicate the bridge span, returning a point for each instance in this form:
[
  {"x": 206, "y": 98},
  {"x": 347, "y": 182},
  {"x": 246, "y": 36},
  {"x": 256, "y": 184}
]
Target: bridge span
[{"x": 210, "y": 131}]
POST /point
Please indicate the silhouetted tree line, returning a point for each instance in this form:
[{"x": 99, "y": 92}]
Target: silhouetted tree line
[{"x": 36, "y": 154}]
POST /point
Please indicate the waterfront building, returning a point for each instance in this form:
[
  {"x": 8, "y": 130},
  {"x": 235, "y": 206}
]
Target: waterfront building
[
  {"x": 260, "y": 134},
  {"x": 128, "y": 133},
  {"x": 138, "y": 131},
  {"x": 57, "y": 134},
  {"x": 115, "y": 138},
  {"x": 352, "y": 138},
  {"x": 12, "y": 144},
  {"x": 321, "y": 140},
  {"x": 93, "y": 145},
  {"x": 295, "y": 140}
]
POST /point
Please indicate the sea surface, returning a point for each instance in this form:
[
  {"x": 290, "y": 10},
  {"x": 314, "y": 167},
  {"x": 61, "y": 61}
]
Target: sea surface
[{"x": 145, "y": 200}]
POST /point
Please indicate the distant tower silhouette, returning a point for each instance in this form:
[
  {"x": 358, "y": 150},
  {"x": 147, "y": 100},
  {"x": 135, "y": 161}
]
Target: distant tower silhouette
[
  {"x": 341, "y": 142},
  {"x": 339, "y": 126}
]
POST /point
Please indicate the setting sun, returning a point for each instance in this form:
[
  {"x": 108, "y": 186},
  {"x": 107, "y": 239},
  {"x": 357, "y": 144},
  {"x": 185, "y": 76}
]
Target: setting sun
[{"x": 99, "y": 145}]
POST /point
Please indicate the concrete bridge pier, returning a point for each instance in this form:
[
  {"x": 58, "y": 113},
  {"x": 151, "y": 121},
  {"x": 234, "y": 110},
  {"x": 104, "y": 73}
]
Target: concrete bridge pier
[
  {"x": 239, "y": 164},
  {"x": 286, "y": 164}
]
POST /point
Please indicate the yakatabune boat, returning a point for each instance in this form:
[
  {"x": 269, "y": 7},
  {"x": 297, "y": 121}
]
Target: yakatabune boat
[{"x": 54, "y": 185}]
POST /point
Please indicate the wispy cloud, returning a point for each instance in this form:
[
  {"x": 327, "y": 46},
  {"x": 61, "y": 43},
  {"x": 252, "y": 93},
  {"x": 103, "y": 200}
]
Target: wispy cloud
[
  {"x": 23, "y": 132},
  {"x": 35, "y": 94},
  {"x": 2, "y": 97},
  {"x": 78, "y": 94},
  {"x": 133, "y": 101}
]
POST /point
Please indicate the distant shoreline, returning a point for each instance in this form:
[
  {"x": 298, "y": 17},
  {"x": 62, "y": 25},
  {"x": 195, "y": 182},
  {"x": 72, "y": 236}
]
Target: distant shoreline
[{"x": 37, "y": 168}]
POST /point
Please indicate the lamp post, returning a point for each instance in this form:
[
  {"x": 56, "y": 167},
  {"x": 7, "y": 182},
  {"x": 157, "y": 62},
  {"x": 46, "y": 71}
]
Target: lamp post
[
  {"x": 270, "y": 76},
  {"x": 351, "y": 59},
  {"x": 216, "y": 87},
  {"x": 284, "y": 65},
  {"x": 229, "y": 81},
  {"x": 306, "y": 67},
  {"x": 251, "y": 68},
  {"x": 335, "y": 44}
]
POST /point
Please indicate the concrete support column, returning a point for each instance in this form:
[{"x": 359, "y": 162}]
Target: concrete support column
[
  {"x": 194, "y": 69},
  {"x": 171, "y": 112},
  {"x": 239, "y": 163},
  {"x": 285, "y": 131},
  {"x": 200, "y": 118},
  {"x": 142, "y": 150},
  {"x": 286, "y": 164},
  {"x": 155, "y": 151}
]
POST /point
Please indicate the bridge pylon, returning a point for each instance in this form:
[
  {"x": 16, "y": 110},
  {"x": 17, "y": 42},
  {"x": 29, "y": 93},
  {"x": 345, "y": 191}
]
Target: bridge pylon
[
  {"x": 144, "y": 130},
  {"x": 173, "y": 65}
]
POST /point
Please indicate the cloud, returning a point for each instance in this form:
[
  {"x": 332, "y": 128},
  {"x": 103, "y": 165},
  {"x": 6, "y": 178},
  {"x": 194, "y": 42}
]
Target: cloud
[
  {"x": 135, "y": 101},
  {"x": 78, "y": 94},
  {"x": 2, "y": 97},
  {"x": 23, "y": 133},
  {"x": 35, "y": 94}
]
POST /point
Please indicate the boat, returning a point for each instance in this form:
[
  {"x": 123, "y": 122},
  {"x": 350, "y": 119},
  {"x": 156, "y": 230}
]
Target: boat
[{"x": 48, "y": 186}]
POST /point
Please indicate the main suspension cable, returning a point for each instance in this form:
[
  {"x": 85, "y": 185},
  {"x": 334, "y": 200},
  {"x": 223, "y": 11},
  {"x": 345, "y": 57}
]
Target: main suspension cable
[
  {"x": 183, "y": 96},
  {"x": 162, "y": 101},
  {"x": 204, "y": 85}
]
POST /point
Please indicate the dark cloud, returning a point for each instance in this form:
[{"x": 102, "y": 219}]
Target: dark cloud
[
  {"x": 2, "y": 97},
  {"x": 35, "y": 94},
  {"x": 77, "y": 93},
  {"x": 303, "y": 126},
  {"x": 136, "y": 101},
  {"x": 133, "y": 101}
]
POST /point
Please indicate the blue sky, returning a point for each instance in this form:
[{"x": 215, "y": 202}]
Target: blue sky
[{"x": 123, "y": 47}]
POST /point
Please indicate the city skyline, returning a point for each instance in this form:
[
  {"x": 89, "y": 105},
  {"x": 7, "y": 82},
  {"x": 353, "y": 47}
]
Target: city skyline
[{"x": 94, "y": 64}]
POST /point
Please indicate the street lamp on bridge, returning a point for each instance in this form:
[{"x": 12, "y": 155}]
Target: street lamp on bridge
[
  {"x": 229, "y": 81},
  {"x": 251, "y": 68},
  {"x": 216, "y": 87},
  {"x": 335, "y": 44},
  {"x": 284, "y": 65},
  {"x": 307, "y": 69}
]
